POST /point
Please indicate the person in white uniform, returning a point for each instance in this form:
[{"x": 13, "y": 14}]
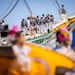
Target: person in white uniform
[{"x": 28, "y": 22}]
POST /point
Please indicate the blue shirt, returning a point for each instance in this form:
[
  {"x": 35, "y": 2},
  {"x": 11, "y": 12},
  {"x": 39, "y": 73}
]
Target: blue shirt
[{"x": 73, "y": 40}]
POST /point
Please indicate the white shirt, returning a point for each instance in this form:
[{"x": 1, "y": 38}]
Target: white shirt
[
  {"x": 25, "y": 50},
  {"x": 67, "y": 52},
  {"x": 28, "y": 23},
  {"x": 22, "y": 57},
  {"x": 3, "y": 24}
]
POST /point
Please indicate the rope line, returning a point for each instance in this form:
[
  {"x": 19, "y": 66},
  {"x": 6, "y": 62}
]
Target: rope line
[
  {"x": 27, "y": 6},
  {"x": 10, "y": 10},
  {"x": 7, "y": 9}
]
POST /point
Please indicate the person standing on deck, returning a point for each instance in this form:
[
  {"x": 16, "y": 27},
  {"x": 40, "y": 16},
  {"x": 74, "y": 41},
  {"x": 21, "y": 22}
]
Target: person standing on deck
[
  {"x": 28, "y": 22},
  {"x": 52, "y": 18},
  {"x": 51, "y": 21},
  {"x": 42, "y": 21},
  {"x": 33, "y": 21},
  {"x": 38, "y": 20},
  {"x": 22, "y": 23},
  {"x": 63, "y": 10},
  {"x": 43, "y": 16},
  {"x": 3, "y": 24},
  {"x": 62, "y": 13},
  {"x": 0, "y": 25}
]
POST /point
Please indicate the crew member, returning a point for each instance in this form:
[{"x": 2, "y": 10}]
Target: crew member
[
  {"x": 23, "y": 23},
  {"x": 63, "y": 10}
]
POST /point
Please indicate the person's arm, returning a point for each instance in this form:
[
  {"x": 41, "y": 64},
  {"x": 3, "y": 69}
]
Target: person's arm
[
  {"x": 28, "y": 49},
  {"x": 15, "y": 50},
  {"x": 65, "y": 11}
]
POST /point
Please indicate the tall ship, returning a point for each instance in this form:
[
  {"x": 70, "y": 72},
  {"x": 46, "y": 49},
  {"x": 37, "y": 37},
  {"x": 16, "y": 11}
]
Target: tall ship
[{"x": 41, "y": 38}]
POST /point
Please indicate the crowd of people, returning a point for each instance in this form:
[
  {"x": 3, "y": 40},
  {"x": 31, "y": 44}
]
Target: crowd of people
[
  {"x": 33, "y": 25},
  {"x": 33, "y": 21}
]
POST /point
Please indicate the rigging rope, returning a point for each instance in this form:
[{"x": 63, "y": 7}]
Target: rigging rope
[
  {"x": 58, "y": 4},
  {"x": 7, "y": 9},
  {"x": 55, "y": 5},
  {"x": 27, "y": 6},
  {"x": 10, "y": 10}
]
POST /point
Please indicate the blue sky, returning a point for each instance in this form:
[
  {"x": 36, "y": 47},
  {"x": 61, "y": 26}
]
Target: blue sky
[{"x": 37, "y": 6}]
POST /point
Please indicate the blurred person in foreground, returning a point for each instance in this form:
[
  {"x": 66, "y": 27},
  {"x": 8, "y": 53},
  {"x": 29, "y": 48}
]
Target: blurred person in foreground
[
  {"x": 64, "y": 40},
  {"x": 21, "y": 51}
]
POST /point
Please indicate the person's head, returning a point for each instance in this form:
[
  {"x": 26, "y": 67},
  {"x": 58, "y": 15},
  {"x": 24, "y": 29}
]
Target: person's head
[
  {"x": 20, "y": 38},
  {"x": 50, "y": 15},
  {"x": 28, "y": 18},
  {"x": 62, "y": 5},
  {"x": 37, "y": 16},
  {"x": 63, "y": 38},
  {"x": 43, "y": 15},
  {"x": 2, "y": 21},
  {"x": 15, "y": 36},
  {"x": 23, "y": 19}
]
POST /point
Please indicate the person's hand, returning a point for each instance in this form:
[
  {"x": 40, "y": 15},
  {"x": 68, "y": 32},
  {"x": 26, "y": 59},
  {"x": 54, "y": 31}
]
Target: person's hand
[{"x": 26, "y": 66}]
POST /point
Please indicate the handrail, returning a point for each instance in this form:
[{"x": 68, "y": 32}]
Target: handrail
[{"x": 41, "y": 37}]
